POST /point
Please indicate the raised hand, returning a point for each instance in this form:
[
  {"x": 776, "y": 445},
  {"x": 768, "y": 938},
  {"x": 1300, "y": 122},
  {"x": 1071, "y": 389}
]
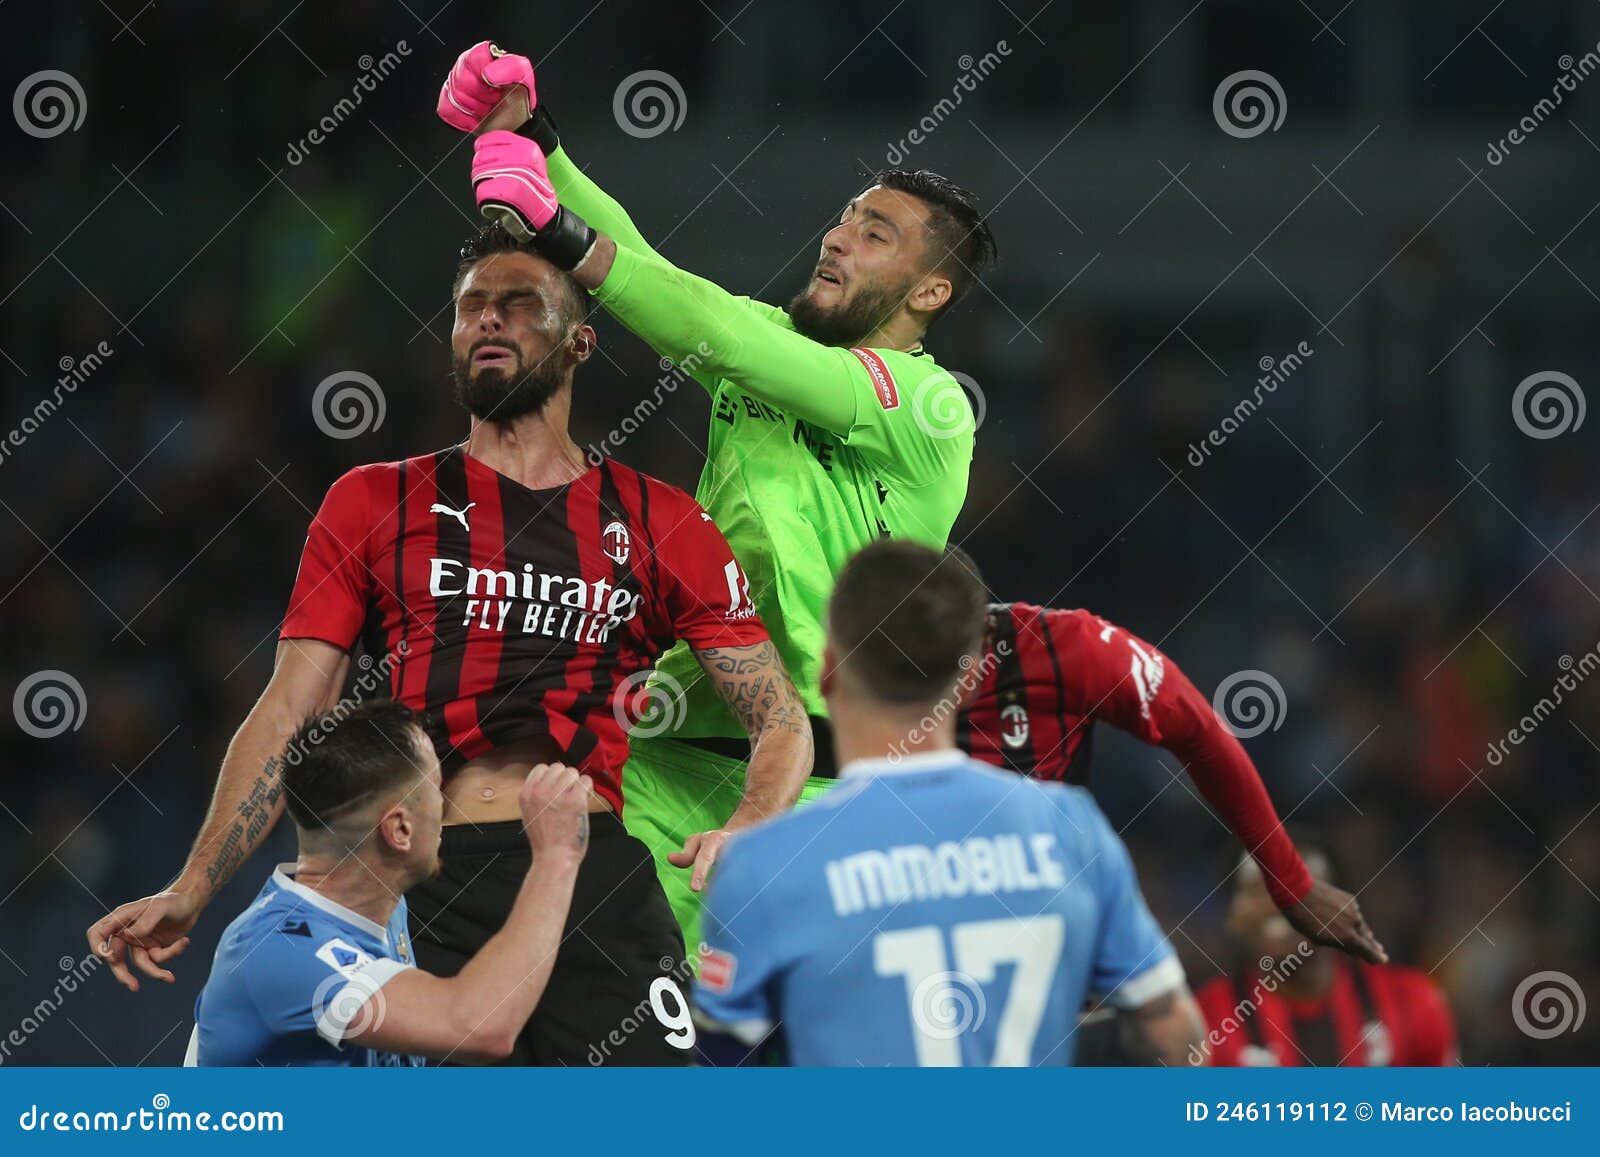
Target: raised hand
[
  {"x": 150, "y": 931},
  {"x": 1331, "y": 916},
  {"x": 487, "y": 89},
  {"x": 512, "y": 184},
  {"x": 700, "y": 852},
  {"x": 555, "y": 811}
]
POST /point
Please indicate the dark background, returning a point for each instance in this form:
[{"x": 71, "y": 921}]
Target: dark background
[{"x": 1381, "y": 538}]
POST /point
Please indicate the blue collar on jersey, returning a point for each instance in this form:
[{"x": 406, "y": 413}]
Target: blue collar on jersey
[
  {"x": 282, "y": 878},
  {"x": 918, "y": 761}
]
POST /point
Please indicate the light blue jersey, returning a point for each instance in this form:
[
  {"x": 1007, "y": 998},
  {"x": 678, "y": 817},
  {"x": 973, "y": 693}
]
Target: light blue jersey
[
  {"x": 934, "y": 912},
  {"x": 293, "y": 974}
]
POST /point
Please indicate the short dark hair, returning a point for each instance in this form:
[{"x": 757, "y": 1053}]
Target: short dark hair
[
  {"x": 345, "y": 756},
  {"x": 494, "y": 238},
  {"x": 959, "y": 237},
  {"x": 903, "y": 616}
]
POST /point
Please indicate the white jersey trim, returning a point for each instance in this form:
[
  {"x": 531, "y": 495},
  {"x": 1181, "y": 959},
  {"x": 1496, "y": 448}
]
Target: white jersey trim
[
  {"x": 916, "y": 761},
  {"x": 1164, "y": 976},
  {"x": 347, "y": 1005},
  {"x": 282, "y": 878}
]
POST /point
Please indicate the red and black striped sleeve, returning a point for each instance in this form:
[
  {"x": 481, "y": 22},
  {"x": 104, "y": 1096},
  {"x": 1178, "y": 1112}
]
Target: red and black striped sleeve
[
  {"x": 1131, "y": 685},
  {"x": 703, "y": 587},
  {"x": 334, "y": 583}
]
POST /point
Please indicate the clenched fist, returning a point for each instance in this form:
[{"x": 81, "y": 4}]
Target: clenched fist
[{"x": 485, "y": 78}]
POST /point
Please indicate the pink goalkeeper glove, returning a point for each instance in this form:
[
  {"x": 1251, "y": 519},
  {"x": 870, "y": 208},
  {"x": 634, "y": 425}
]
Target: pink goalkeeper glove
[
  {"x": 483, "y": 76},
  {"x": 513, "y": 188},
  {"x": 511, "y": 183}
]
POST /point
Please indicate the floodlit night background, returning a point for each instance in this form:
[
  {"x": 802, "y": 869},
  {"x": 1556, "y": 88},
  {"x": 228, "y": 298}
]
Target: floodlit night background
[{"x": 1397, "y": 542}]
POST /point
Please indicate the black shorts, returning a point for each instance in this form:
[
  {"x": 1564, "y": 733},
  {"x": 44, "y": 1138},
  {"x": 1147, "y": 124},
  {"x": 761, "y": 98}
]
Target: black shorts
[{"x": 619, "y": 991}]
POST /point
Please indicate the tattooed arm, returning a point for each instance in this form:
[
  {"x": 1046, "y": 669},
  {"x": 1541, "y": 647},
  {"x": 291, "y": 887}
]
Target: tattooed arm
[
  {"x": 753, "y": 682},
  {"x": 248, "y": 799},
  {"x": 306, "y": 678}
]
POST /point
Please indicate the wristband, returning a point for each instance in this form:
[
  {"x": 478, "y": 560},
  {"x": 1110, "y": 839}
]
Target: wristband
[
  {"x": 566, "y": 240},
  {"x": 541, "y": 129}
]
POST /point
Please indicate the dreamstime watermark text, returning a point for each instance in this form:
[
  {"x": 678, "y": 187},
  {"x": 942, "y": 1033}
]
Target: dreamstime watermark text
[
  {"x": 971, "y": 678},
  {"x": 73, "y": 973},
  {"x": 1274, "y": 372},
  {"x": 374, "y": 677},
  {"x": 74, "y": 372},
  {"x": 1274, "y": 972},
  {"x": 160, "y": 1117},
  {"x": 973, "y": 73},
  {"x": 664, "y": 1005},
  {"x": 372, "y": 71},
  {"x": 1573, "y": 73},
  {"x": 673, "y": 375},
  {"x": 1574, "y": 672}
]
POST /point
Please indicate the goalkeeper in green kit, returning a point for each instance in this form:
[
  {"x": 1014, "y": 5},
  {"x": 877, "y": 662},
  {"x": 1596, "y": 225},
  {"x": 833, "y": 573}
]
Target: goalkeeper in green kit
[{"x": 831, "y": 426}]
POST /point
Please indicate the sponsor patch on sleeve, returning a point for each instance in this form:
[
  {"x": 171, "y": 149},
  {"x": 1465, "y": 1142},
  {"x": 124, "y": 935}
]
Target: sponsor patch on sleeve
[
  {"x": 717, "y": 968},
  {"x": 882, "y": 379},
  {"x": 1148, "y": 669}
]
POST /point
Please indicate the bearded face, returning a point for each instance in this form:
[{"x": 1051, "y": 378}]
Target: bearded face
[
  {"x": 495, "y": 381},
  {"x": 512, "y": 345},
  {"x": 828, "y": 312}
]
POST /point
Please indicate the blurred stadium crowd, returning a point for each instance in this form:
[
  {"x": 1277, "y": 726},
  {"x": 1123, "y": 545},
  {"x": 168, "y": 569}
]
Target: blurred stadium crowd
[{"x": 1380, "y": 538}]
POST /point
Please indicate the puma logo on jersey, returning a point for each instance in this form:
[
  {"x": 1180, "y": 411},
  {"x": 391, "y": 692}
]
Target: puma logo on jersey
[{"x": 459, "y": 515}]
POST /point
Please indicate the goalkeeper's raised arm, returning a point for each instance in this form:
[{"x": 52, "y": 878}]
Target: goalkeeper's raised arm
[
  {"x": 882, "y": 277},
  {"x": 903, "y": 251},
  {"x": 489, "y": 89}
]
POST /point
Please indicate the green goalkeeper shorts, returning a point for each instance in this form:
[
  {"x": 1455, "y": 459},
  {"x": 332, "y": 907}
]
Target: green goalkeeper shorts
[{"x": 672, "y": 790}]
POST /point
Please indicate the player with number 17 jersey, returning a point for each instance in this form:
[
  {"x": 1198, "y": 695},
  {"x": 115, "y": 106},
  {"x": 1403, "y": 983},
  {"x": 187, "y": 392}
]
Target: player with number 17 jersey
[{"x": 929, "y": 911}]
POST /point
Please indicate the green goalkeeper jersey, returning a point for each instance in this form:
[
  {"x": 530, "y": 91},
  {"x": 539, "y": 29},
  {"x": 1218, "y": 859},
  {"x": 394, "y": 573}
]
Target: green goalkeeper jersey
[{"x": 814, "y": 451}]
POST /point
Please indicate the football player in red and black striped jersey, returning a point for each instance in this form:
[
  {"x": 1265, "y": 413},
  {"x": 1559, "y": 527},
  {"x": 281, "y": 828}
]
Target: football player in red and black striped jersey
[
  {"x": 1049, "y": 675},
  {"x": 1293, "y": 1005},
  {"x": 518, "y": 596}
]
